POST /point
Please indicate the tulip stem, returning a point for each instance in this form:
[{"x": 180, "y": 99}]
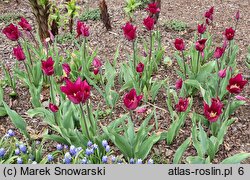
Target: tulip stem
[
  {"x": 151, "y": 47},
  {"x": 218, "y": 87},
  {"x": 88, "y": 110},
  {"x": 134, "y": 57},
  {"x": 84, "y": 121},
  {"x": 26, "y": 68},
  {"x": 184, "y": 65},
  {"x": 33, "y": 37},
  {"x": 198, "y": 62},
  {"x": 84, "y": 62},
  {"x": 51, "y": 90},
  {"x": 228, "y": 106},
  {"x": 228, "y": 54},
  {"x": 131, "y": 115}
]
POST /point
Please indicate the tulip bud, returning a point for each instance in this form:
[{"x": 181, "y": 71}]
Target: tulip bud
[
  {"x": 140, "y": 68},
  {"x": 237, "y": 15},
  {"x": 222, "y": 73},
  {"x": 18, "y": 53},
  {"x": 178, "y": 84}
]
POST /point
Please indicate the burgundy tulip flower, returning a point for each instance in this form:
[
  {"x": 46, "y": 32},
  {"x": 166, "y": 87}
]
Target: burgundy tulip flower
[
  {"x": 152, "y": 8},
  {"x": 178, "y": 84},
  {"x": 140, "y": 68},
  {"x": 53, "y": 107},
  {"x": 48, "y": 66},
  {"x": 18, "y": 53},
  {"x": 131, "y": 100},
  {"x": 222, "y": 73},
  {"x": 240, "y": 98},
  {"x": 236, "y": 84},
  {"x": 229, "y": 33},
  {"x": 77, "y": 92},
  {"x": 182, "y": 105},
  {"x": 201, "y": 28},
  {"x": 149, "y": 23},
  {"x": 237, "y": 15},
  {"x": 213, "y": 112},
  {"x": 11, "y": 32},
  {"x": 218, "y": 52},
  {"x": 25, "y": 24},
  {"x": 200, "y": 45},
  {"x": 129, "y": 31},
  {"x": 209, "y": 15},
  {"x": 82, "y": 29},
  {"x": 66, "y": 69},
  {"x": 179, "y": 44},
  {"x": 97, "y": 65}
]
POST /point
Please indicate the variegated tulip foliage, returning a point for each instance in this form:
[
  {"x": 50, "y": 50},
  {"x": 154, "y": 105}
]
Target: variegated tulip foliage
[{"x": 73, "y": 115}]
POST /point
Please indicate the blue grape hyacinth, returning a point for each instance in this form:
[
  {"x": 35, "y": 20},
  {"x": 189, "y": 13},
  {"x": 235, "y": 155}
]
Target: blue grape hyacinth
[
  {"x": 2, "y": 152},
  {"x": 105, "y": 159},
  {"x": 19, "y": 160},
  {"x": 50, "y": 157},
  {"x": 107, "y": 148},
  {"x": 104, "y": 143},
  {"x": 139, "y": 161},
  {"x": 17, "y": 151},
  {"x": 23, "y": 148},
  {"x": 131, "y": 161},
  {"x": 59, "y": 147},
  {"x": 11, "y": 133},
  {"x": 84, "y": 160},
  {"x": 67, "y": 158}
]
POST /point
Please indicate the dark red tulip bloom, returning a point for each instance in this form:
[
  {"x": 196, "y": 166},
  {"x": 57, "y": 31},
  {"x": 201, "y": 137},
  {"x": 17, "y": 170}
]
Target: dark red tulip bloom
[
  {"x": 48, "y": 66},
  {"x": 237, "y": 15},
  {"x": 96, "y": 71},
  {"x": 25, "y": 24},
  {"x": 201, "y": 28},
  {"x": 222, "y": 73},
  {"x": 236, "y": 84},
  {"x": 229, "y": 33},
  {"x": 152, "y": 8},
  {"x": 200, "y": 45},
  {"x": 178, "y": 84},
  {"x": 129, "y": 31},
  {"x": 11, "y": 32},
  {"x": 209, "y": 14},
  {"x": 149, "y": 23},
  {"x": 18, "y": 53},
  {"x": 82, "y": 29},
  {"x": 213, "y": 112},
  {"x": 131, "y": 100},
  {"x": 218, "y": 52},
  {"x": 77, "y": 92},
  {"x": 182, "y": 105},
  {"x": 53, "y": 107},
  {"x": 97, "y": 65},
  {"x": 140, "y": 68},
  {"x": 179, "y": 44},
  {"x": 66, "y": 69}
]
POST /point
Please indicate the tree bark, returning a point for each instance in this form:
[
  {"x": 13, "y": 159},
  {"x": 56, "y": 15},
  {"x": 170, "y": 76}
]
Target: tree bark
[
  {"x": 41, "y": 14},
  {"x": 104, "y": 14}
]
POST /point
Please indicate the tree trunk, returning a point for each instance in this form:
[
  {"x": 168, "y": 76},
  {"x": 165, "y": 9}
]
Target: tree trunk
[
  {"x": 42, "y": 17},
  {"x": 104, "y": 14}
]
